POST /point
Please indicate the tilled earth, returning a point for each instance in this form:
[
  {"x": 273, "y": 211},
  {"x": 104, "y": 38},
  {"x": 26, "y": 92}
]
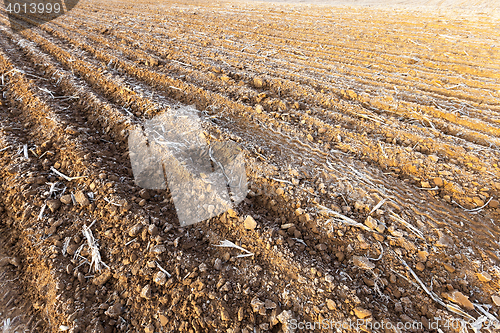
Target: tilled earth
[{"x": 371, "y": 141}]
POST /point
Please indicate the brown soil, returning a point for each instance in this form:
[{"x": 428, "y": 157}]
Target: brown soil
[{"x": 336, "y": 109}]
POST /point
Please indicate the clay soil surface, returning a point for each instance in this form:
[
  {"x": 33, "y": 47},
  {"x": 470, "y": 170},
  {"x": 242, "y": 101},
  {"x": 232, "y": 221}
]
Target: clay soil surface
[{"x": 372, "y": 148}]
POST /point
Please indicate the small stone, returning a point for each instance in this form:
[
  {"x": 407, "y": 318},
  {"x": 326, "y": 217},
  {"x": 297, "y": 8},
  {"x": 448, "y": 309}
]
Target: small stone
[
  {"x": 362, "y": 313},
  {"x": 257, "y": 305},
  {"x": 478, "y": 201},
  {"x": 495, "y": 299},
  {"x": 329, "y": 278},
  {"x": 422, "y": 256},
  {"x": 249, "y": 223},
  {"x": 363, "y": 263},
  {"x": 398, "y": 307},
  {"x": 340, "y": 256},
  {"x": 218, "y": 264},
  {"x": 280, "y": 191},
  {"x": 203, "y": 267},
  {"x": 494, "y": 204},
  {"x": 144, "y": 194},
  {"x": 66, "y": 199},
  {"x": 381, "y": 228},
  {"x": 153, "y": 230},
  {"x": 371, "y": 223},
  {"x": 259, "y": 108},
  {"x": 444, "y": 241},
  {"x": 158, "y": 249},
  {"x": 321, "y": 247},
  {"x": 149, "y": 329},
  {"x": 160, "y": 278},
  {"x": 392, "y": 278},
  {"x": 241, "y": 314},
  {"x": 420, "y": 266},
  {"x": 224, "y": 315},
  {"x": 264, "y": 326},
  {"x": 425, "y": 185},
  {"x": 258, "y": 82},
  {"x": 449, "y": 267},
  {"x": 285, "y": 317},
  {"x": 146, "y": 292},
  {"x": 15, "y": 261},
  {"x": 53, "y": 205},
  {"x": 163, "y": 320},
  {"x": 484, "y": 277},
  {"x": 115, "y": 310},
  {"x": 330, "y": 304},
  {"x": 438, "y": 181},
  {"x": 434, "y": 158},
  {"x": 103, "y": 278},
  {"x": 135, "y": 230},
  {"x": 407, "y": 244},
  {"x": 459, "y": 298},
  {"x": 82, "y": 199},
  {"x": 269, "y": 304}
]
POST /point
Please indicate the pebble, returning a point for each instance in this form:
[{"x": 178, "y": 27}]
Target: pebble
[
  {"x": 160, "y": 278},
  {"x": 66, "y": 199},
  {"x": 270, "y": 305},
  {"x": 371, "y": 223},
  {"x": 144, "y": 194},
  {"x": 146, "y": 292},
  {"x": 330, "y": 304},
  {"x": 258, "y": 306},
  {"x": 218, "y": 264},
  {"x": 149, "y": 329},
  {"x": 203, "y": 267},
  {"x": 158, "y": 249},
  {"x": 420, "y": 266},
  {"x": 258, "y": 82},
  {"x": 438, "y": 181},
  {"x": 249, "y": 223},
  {"x": 115, "y": 310},
  {"x": 363, "y": 262},
  {"x": 224, "y": 315},
  {"x": 163, "y": 320},
  {"x": 484, "y": 277},
  {"x": 422, "y": 256},
  {"x": 135, "y": 230},
  {"x": 449, "y": 267},
  {"x": 103, "y": 278},
  {"x": 495, "y": 299},
  {"x": 329, "y": 278},
  {"x": 259, "y": 108},
  {"x": 153, "y": 230},
  {"x": 478, "y": 201},
  {"x": 82, "y": 199},
  {"x": 459, "y": 298},
  {"x": 53, "y": 205},
  {"x": 362, "y": 313},
  {"x": 494, "y": 204},
  {"x": 285, "y": 317}
]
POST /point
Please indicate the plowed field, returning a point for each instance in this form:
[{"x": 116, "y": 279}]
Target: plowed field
[{"x": 372, "y": 149}]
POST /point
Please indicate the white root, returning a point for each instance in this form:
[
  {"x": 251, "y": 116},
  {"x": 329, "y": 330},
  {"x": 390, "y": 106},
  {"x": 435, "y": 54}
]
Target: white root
[
  {"x": 94, "y": 249},
  {"x": 60, "y": 174},
  {"x": 41, "y": 212},
  {"x": 377, "y": 206},
  {"x": 414, "y": 230},
  {"x": 163, "y": 270},
  {"x": 226, "y": 243},
  {"x": 25, "y": 149}
]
